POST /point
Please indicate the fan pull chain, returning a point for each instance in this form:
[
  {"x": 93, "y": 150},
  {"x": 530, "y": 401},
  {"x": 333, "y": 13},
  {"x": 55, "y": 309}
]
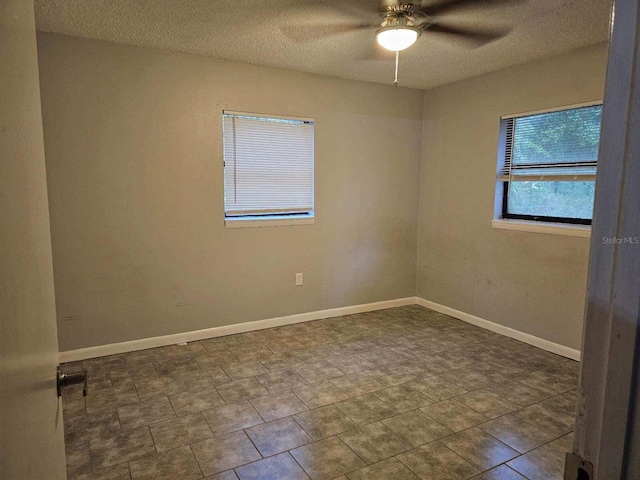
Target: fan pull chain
[{"x": 395, "y": 81}]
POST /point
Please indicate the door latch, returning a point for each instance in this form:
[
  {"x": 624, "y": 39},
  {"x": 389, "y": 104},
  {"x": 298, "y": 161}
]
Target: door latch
[{"x": 64, "y": 379}]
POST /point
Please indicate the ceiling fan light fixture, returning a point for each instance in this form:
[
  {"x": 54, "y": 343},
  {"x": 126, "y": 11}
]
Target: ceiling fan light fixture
[{"x": 397, "y": 37}]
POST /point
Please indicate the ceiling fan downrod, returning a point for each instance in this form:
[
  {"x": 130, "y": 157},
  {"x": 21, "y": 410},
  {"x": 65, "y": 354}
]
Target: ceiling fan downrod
[{"x": 395, "y": 81}]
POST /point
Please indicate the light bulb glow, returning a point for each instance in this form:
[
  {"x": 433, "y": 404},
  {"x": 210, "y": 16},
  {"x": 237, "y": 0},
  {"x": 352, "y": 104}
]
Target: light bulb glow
[{"x": 397, "y": 38}]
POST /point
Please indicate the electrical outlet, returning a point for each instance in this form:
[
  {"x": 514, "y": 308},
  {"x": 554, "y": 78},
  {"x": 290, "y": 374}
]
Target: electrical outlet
[{"x": 298, "y": 279}]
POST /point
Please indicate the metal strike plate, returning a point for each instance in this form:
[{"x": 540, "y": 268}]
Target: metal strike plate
[{"x": 577, "y": 468}]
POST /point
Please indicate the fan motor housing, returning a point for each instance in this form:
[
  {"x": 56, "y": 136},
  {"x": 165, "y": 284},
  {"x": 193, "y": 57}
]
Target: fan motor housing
[
  {"x": 398, "y": 20},
  {"x": 398, "y": 9}
]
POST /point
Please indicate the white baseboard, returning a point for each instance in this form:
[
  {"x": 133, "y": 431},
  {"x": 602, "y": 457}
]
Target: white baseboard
[
  {"x": 123, "y": 347},
  {"x": 502, "y": 330}
]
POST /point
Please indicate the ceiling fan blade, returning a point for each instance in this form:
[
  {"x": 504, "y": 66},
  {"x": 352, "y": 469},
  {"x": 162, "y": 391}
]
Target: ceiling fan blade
[
  {"x": 304, "y": 32},
  {"x": 444, "y": 6},
  {"x": 357, "y": 8},
  {"x": 472, "y": 37},
  {"x": 366, "y": 7}
]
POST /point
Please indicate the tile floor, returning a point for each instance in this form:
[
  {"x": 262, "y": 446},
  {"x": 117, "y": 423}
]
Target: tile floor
[{"x": 403, "y": 393}]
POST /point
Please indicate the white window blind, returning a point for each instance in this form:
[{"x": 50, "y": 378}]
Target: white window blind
[
  {"x": 268, "y": 165},
  {"x": 553, "y": 146}
]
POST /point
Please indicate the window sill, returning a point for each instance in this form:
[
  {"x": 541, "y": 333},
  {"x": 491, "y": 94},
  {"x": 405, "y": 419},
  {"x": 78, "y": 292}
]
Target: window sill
[
  {"x": 268, "y": 221},
  {"x": 583, "y": 231}
]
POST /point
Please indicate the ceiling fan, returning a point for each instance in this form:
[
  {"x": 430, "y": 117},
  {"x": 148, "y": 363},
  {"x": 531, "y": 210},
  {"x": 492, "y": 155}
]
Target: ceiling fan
[{"x": 403, "y": 22}]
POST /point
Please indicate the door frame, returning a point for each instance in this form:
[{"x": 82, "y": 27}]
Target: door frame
[{"x": 607, "y": 430}]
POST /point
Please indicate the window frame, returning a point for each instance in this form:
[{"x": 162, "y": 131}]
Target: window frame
[
  {"x": 275, "y": 219},
  {"x": 536, "y": 218},
  {"x": 503, "y": 190}
]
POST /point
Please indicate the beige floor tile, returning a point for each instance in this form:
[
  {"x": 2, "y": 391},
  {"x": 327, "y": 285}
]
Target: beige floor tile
[
  {"x": 233, "y": 417},
  {"x": 282, "y": 380},
  {"x": 130, "y": 375},
  {"x": 75, "y": 404},
  {"x": 324, "y": 422},
  {"x": 179, "y": 432},
  {"x": 216, "y": 358},
  {"x": 453, "y": 360},
  {"x": 413, "y": 350},
  {"x": 191, "y": 349},
  {"x": 145, "y": 413},
  {"x": 110, "y": 398},
  {"x": 467, "y": 378},
  {"x": 215, "y": 344},
  {"x": 239, "y": 390},
  {"x": 561, "y": 446},
  {"x": 516, "y": 433},
  {"x": 383, "y": 356},
  {"x": 500, "y": 473},
  {"x": 403, "y": 398},
  {"x": 117, "y": 472},
  {"x": 320, "y": 394},
  {"x": 384, "y": 470},
  {"x": 375, "y": 442},
  {"x": 250, "y": 352},
  {"x": 223, "y": 453},
  {"x": 240, "y": 370},
  {"x": 479, "y": 448},
  {"x": 317, "y": 372},
  {"x": 186, "y": 403},
  {"x": 351, "y": 363},
  {"x": 93, "y": 365},
  {"x": 175, "y": 366},
  {"x": 435, "y": 461},
  {"x": 278, "y": 405},
  {"x": 550, "y": 421},
  {"x": 78, "y": 458},
  {"x": 124, "y": 447},
  {"x": 159, "y": 386},
  {"x": 518, "y": 393},
  {"x": 437, "y": 388},
  {"x": 356, "y": 384},
  {"x": 281, "y": 361},
  {"x": 417, "y": 428},
  {"x": 140, "y": 357},
  {"x": 539, "y": 464},
  {"x": 204, "y": 378},
  {"x": 96, "y": 425},
  {"x": 405, "y": 375},
  {"x": 177, "y": 463},
  {"x": 278, "y": 436},
  {"x": 454, "y": 415},
  {"x": 281, "y": 466},
  {"x": 327, "y": 459},
  {"x": 548, "y": 382},
  {"x": 487, "y": 403},
  {"x": 389, "y": 375},
  {"x": 564, "y": 403},
  {"x": 366, "y": 409},
  {"x": 424, "y": 367},
  {"x": 283, "y": 345},
  {"x": 228, "y": 475}
]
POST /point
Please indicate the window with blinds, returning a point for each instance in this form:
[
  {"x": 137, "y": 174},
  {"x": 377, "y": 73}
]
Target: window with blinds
[
  {"x": 549, "y": 163},
  {"x": 268, "y": 166}
]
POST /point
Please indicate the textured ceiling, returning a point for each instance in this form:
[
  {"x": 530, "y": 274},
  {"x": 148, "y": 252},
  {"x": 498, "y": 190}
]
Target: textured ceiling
[{"x": 253, "y": 31}]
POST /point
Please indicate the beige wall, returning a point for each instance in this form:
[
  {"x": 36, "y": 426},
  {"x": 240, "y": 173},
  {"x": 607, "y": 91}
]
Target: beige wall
[
  {"x": 31, "y": 440},
  {"x": 530, "y": 282},
  {"x": 134, "y": 165},
  {"x": 133, "y": 142}
]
